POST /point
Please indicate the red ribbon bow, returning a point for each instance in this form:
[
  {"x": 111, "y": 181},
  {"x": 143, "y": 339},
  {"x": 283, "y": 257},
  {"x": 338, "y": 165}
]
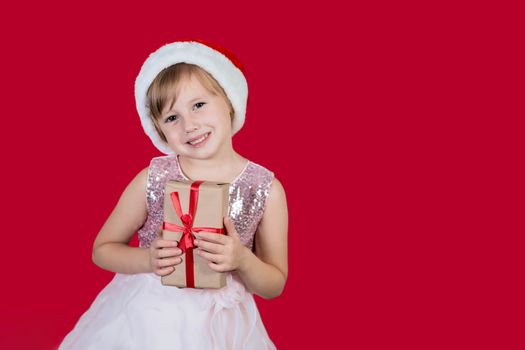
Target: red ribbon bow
[{"x": 186, "y": 241}]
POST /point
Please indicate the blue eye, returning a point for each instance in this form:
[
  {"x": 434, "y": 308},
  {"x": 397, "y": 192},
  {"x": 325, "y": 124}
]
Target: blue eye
[{"x": 171, "y": 118}]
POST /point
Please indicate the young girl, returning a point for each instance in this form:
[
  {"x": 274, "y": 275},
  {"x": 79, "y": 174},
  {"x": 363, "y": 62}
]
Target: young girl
[{"x": 191, "y": 99}]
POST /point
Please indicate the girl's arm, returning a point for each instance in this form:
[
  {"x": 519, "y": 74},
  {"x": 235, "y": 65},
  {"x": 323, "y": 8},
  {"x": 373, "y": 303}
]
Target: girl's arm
[
  {"x": 111, "y": 250},
  {"x": 264, "y": 273}
]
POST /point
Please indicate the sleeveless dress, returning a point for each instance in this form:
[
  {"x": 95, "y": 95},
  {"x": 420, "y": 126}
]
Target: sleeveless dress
[{"x": 135, "y": 311}]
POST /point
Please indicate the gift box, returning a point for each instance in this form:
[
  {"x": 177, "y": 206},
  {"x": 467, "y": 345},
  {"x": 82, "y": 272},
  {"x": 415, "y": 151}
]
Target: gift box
[{"x": 189, "y": 207}]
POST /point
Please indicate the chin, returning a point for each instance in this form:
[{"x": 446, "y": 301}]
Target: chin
[{"x": 205, "y": 154}]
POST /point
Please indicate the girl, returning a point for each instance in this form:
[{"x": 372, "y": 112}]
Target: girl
[{"x": 191, "y": 99}]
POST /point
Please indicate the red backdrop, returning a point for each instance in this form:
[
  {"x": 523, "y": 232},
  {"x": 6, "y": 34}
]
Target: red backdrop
[{"x": 393, "y": 128}]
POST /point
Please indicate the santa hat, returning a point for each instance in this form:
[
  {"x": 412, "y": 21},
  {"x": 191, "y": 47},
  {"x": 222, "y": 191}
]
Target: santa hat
[{"x": 217, "y": 61}]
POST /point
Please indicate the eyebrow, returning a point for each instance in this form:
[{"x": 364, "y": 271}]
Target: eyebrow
[{"x": 190, "y": 101}]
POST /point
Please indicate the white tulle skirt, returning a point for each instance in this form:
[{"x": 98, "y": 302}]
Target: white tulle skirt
[{"x": 138, "y": 312}]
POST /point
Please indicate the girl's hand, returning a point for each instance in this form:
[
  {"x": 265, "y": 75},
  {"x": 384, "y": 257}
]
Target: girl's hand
[
  {"x": 164, "y": 255},
  {"x": 224, "y": 252}
]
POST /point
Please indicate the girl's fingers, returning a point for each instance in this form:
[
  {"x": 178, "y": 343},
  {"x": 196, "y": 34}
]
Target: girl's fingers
[
  {"x": 216, "y": 258},
  {"x": 165, "y": 243},
  {"x": 168, "y": 252},
  {"x": 217, "y": 267},
  {"x": 230, "y": 227},
  {"x": 212, "y": 237},
  {"x": 168, "y": 262},
  {"x": 164, "y": 271},
  {"x": 209, "y": 247}
]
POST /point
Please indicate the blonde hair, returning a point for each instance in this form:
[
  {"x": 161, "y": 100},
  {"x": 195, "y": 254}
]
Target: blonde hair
[{"x": 163, "y": 89}]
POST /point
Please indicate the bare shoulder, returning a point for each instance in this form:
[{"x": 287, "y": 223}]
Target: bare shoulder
[
  {"x": 276, "y": 195},
  {"x": 275, "y": 216},
  {"x": 135, "y": 191},
  {"x": 129, "y": 213},
  {"x": 271, "y": 239},
  {"x": 277, "y": 187},
  {"x": 139, "y": 181},
  {"x": 133, "y": 199}
]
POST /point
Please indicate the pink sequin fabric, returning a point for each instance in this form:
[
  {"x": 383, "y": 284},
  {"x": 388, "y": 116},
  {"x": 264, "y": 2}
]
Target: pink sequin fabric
[{"x": 248, "y": 193}]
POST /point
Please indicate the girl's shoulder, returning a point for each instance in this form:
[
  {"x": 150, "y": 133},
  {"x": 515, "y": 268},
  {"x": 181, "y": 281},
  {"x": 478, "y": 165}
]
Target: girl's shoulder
[
  {"x": 162, "y": 165},
  {"x": 256, "y": 174},
  {"x": 160, "y": 170},
  {"x": 266, "y": 181},
  {"x": 259, "y": 167},
  {"x": 166, "y": 160}
]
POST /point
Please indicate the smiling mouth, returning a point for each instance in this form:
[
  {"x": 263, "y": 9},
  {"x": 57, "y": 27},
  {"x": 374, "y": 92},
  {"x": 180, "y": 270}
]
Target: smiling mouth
[{"x": 199, "y": 139}]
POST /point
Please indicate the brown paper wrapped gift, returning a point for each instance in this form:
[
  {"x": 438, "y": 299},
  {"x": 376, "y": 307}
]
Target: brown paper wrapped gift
[{"x": 210, "y": 205}]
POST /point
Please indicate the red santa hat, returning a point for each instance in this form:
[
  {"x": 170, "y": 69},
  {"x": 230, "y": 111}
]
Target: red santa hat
[{"x": 217, "y": 61}]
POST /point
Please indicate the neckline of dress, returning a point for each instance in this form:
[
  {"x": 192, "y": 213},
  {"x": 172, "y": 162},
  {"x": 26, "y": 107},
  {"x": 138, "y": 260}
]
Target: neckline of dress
[{"x": 233, "y": 181}]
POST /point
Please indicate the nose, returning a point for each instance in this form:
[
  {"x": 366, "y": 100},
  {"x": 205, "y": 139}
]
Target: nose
[{"x": 190, "y": 124}]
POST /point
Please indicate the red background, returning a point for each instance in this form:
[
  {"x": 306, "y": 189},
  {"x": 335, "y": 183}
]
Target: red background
[{"x": 394, "y": 128}]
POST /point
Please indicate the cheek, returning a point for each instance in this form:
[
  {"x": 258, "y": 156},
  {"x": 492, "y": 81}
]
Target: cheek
[
  {"x": 174, "y": 139},
  {"x": 172, "y": 136}
]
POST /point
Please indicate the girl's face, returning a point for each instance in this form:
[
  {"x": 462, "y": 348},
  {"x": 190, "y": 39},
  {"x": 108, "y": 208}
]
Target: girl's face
[{"x": 198, "y": 125}]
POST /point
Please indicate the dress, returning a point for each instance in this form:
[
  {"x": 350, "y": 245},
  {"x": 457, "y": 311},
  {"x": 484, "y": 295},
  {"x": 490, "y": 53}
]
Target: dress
[{"x": 138, "y": 312}]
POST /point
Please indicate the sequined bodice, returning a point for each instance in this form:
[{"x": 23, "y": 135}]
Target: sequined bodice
[{"x": 248, "y": 193}]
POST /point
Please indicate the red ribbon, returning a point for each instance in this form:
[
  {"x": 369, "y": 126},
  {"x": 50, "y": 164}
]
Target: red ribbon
[{"x": 186, "y": 241}]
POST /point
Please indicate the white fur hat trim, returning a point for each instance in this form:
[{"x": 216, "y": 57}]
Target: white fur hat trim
[{"x": 230, "y": 78}]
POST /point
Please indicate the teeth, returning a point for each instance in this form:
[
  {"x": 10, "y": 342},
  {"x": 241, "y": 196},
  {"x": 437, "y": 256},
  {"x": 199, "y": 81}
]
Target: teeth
[{"x": 199, "y": 139}]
